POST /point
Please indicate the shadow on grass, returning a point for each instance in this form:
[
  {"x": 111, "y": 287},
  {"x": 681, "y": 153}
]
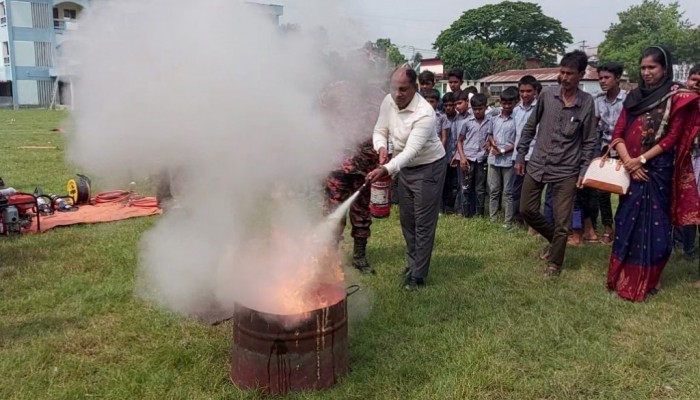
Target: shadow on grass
[
  {"x": 390, "y": 344},
  {"x": 36, "y": 327},
  {"x": 21, "y": 252},
  {"x": 448, "y": 268},
  {"x": 680, "y": 270}
]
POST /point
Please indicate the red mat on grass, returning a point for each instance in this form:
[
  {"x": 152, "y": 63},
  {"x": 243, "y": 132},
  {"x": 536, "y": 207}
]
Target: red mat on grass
[{"x": 91, "y": 214}]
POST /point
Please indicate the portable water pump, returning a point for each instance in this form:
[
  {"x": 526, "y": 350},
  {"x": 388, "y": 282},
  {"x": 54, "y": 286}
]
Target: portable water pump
[{"x": 15, "y": 211}]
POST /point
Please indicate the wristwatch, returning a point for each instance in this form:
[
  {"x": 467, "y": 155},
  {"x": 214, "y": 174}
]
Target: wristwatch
[
  {"x": 503, "y": 151},
  {"x": 642, "y": 159}
]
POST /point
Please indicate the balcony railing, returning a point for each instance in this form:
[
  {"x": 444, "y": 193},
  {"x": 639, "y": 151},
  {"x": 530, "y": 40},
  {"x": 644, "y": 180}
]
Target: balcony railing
[
  {"x": 6, "y": 60},
  {"x": 64, "y": 24},
  {"x": 3, "y": 20}
]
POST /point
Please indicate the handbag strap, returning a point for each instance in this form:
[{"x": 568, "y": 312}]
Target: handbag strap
[{"x": 611, "y": 146}]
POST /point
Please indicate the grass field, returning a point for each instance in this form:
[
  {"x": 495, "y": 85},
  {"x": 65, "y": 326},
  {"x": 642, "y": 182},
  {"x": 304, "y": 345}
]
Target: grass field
[{"x": 488, "y": 326}]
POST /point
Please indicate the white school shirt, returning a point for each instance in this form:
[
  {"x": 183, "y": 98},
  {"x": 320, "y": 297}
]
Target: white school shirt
[{"x": 412, "y": 130}]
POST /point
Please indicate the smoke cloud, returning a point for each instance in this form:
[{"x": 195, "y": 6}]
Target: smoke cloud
[{"x": 218, "y": 97}]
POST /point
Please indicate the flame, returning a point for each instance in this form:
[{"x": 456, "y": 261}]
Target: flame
[
  {"x": 306, "y": 293},
  {"x": 302, "y": 274}
]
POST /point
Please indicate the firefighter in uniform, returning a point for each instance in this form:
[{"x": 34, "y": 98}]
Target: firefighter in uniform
[{"x": 352, "y": 110}]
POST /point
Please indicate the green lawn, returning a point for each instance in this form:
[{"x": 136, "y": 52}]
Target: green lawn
[{"x": 488, "y": 326}]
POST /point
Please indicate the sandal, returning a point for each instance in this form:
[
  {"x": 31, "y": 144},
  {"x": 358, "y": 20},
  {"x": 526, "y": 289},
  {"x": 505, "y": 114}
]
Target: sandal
[
  {"x": 607, "y": 238},
  {"x": 573, "y": 242},
  {"x": 590, "y": 240},
  {"x": 552, "y": 270}
]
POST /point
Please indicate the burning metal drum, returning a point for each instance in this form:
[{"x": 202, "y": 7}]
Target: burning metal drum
[{"x": 282, "y": 353}]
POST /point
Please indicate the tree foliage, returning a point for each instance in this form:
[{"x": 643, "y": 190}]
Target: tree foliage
[
  {"x": 647, "y": 24},
  {"x": 384, "y": 48},
  {"x": 478, "y": 59},
  {"x": 514, "y": 30},
  {"x": 417, "y": 58}
]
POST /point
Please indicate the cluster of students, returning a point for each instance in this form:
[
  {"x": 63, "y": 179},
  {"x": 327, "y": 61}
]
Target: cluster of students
[
  {"x": 503, "y": 159},
  {"x": 480, "y": 142}
]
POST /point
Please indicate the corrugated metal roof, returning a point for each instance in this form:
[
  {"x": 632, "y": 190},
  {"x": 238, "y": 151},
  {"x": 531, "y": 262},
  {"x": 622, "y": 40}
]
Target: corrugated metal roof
[{"x": 541, "y": 74}]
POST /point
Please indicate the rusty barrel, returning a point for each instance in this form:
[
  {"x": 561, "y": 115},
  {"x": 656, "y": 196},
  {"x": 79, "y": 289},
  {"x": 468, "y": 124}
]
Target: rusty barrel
[{"x": 273, "y": 355}]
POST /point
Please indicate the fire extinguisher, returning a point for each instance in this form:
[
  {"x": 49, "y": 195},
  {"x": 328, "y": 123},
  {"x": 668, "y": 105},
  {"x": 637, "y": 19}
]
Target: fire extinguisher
[{"x": 379, "y": 197}]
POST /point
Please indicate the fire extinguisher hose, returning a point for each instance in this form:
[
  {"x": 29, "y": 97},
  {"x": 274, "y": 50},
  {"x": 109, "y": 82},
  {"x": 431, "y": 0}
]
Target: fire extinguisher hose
[
  {"x": 114, "y": 196},
  {"x": 146, "y": 202},
  {"x": 122, "y": 196}
]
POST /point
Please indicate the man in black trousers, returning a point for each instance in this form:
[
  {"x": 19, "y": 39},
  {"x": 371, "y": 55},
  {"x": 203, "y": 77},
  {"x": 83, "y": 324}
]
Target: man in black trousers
[{"x": 419, "y": 159}]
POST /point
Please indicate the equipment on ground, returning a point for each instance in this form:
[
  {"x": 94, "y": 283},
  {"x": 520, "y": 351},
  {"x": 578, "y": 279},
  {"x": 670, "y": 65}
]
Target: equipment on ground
[
  {"x": 59, "y": 203},
  {"x": 79, "y": 189},
  {"x": 15, "y": 211}
]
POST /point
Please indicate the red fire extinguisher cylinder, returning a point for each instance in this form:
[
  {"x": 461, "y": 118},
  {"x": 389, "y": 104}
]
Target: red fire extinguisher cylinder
[{"x": 380, "y": 197}]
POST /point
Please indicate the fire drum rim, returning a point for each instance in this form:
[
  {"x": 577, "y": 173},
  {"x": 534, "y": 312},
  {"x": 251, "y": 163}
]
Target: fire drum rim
[
  {"x": 342, "y": 295},
  {"x": 306, "y": 335}
]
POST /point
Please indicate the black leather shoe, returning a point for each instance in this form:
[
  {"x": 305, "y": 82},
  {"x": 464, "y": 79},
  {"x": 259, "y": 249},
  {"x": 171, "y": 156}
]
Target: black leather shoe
[{"x": 414, "y": 283}]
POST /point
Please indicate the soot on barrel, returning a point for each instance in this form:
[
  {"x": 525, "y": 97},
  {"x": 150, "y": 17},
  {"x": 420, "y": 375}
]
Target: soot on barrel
[{"x": 279, "y": 353}]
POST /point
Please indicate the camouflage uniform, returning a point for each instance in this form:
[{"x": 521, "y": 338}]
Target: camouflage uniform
[
  {"x": 343, "y": 182},
  {"x": 352, "y": 110}
]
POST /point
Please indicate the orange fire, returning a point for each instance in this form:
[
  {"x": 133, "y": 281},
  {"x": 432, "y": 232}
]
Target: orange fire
[
  {"x": 307, "y": 293},
  {"x": 304, "y": 274}
]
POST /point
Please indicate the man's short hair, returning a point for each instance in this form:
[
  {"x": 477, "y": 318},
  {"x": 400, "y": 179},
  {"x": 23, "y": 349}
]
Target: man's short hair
[
  {"x": 457, "y": 73},
  {"x": 575, "y": 59},
  {"x": 614, "y": 68},
  {"x": 509, "y": 94},
  {"x": 479, "y": 100},
  {"x": 410, "y": 74},
  {"x": 471, "y": 89},
  {"x": 538, "y": 87},
  {"x": 463, "y": 95},
  {"x": 426, "y": 77},
  {"x": 432, "y": 94},
  {"x": 527, "y": 80},
  {"x": 694, "y": 71},
  {"x": 449, "y": 97}
]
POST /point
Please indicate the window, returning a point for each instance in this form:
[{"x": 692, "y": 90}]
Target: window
[
  {"x": 5, "y": 53},
  {"x": 495, "y": 90},
  {"x": 3, "y": 16},
  {"x": 70, "y": 14},
  {"x": 57, "y": 23}
]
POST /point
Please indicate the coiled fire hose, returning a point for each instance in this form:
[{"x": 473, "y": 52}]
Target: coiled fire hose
[
  {"x": 79, "y": 189},
  {"x": 123, "y": 196}
]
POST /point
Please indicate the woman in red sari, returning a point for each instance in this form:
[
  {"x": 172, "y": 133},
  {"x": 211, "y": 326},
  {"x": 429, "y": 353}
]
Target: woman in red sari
[{"x": 657, "y": 119}]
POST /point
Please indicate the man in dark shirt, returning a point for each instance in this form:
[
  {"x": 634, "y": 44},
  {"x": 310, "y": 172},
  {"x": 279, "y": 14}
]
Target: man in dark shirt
[{"x": 565, "y": 143}]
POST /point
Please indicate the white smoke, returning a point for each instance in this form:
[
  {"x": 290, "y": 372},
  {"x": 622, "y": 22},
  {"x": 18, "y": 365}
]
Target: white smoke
[{"x": 212, "y": 92}]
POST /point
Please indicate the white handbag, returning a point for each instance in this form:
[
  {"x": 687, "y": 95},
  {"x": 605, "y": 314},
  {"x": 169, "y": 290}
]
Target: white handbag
[{"x": 607, "y": 174}]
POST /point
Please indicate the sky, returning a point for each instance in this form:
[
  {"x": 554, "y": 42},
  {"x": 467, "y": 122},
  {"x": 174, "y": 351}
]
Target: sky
[{"x": 415, "y": 24}]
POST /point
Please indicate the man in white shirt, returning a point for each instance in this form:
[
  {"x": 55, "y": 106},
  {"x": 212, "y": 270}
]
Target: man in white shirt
[{"x": 409, "y": 120}]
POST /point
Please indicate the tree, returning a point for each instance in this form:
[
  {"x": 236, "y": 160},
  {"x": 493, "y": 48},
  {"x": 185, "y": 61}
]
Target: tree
[
  {"x": 646, "y": 24},
  {"x": 515, "y": 30},
  {"x": 417, "y": 58},
  {"x": 390, "y": 51},
  {"x": 478, "y": 59}
]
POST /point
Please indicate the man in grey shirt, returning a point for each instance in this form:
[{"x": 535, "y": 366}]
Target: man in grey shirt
[{"x": 565, "y": 143}]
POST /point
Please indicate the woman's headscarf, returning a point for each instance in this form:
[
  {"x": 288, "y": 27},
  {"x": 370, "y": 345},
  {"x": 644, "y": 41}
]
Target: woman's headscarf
[{"x": 644, "y": 98}]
